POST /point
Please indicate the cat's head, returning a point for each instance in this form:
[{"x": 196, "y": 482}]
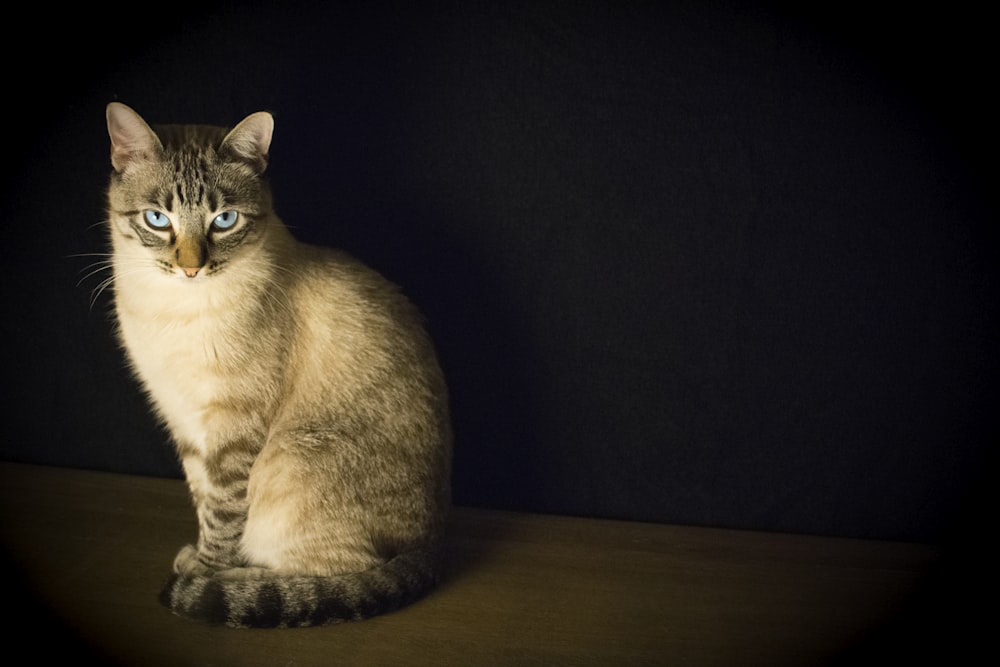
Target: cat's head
[{"x": 187, "y": 200}]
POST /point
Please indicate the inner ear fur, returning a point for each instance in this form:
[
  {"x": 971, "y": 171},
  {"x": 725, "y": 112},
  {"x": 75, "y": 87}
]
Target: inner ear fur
[
  {"x": 132, "y": 139},
  {"x": 250, "y": 140}
]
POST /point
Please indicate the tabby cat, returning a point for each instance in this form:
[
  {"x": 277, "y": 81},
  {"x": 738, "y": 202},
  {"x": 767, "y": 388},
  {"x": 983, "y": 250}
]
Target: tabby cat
[{"x": 301, "y": 390}]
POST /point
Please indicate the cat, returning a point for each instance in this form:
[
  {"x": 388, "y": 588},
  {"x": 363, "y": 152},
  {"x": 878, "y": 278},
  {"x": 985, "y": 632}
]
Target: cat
[{"x": 302, "y": 392}]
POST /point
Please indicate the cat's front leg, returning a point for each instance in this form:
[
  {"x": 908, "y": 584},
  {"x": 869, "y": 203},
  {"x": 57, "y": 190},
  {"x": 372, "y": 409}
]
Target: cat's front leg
[{"x": 218, "y": 484}]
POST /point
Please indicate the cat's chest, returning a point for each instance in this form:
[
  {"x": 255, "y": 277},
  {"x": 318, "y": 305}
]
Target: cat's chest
[
  {"x": 191, "y": 360},
  {"x": 184, "y": 331},
  {"x": 191, "y": 350}
]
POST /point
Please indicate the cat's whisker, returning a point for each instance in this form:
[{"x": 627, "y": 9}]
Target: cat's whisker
[
  {"x": 128, "y": 265},
  {"x": 105, "y": 261},
  {"x": 94, "y": 269},
  {"x": 97, "y": 267},
  {"x": 90, "y": 254},
  {"x": 91, "y": 273},
  {"x": 97, "y": 291}
]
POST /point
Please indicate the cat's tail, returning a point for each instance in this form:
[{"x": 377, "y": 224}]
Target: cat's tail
[{"x": 272, "y": 600}]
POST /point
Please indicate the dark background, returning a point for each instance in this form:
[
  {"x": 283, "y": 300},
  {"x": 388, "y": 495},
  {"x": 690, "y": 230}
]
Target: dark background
[{"x": 704, "y": 263}]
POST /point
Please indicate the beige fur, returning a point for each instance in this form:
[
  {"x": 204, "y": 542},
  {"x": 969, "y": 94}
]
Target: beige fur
[{"x": 303, "y": 394}]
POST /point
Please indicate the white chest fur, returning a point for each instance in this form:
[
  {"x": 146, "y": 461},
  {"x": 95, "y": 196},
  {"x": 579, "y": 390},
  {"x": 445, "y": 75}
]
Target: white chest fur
[{"x": 186, "y": 343}]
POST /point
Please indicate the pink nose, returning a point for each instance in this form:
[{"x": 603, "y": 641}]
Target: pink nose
[{"x": 191, "y": 272}]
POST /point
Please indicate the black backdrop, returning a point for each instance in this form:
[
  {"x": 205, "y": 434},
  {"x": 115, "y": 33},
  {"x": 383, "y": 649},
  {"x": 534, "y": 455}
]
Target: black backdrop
[{"x": 713, "y": 264}]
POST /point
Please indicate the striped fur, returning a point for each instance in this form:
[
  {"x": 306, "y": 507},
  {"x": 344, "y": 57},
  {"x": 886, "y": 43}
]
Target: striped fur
[
  {"x": 300, "y": 388},
  {"x": 264, "y": 601}
]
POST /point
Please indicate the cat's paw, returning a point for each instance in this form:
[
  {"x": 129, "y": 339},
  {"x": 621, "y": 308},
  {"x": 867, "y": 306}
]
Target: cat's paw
[{"x": 188, "y": 564}]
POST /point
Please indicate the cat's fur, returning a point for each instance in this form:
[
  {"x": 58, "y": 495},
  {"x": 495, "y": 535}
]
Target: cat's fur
[{"x": 303, "y": 395}]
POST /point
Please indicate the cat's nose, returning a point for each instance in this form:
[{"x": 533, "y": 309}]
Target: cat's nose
[{"x": 192, "y": 254}]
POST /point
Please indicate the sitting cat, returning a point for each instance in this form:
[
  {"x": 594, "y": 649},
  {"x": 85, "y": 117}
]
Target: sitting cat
[{"x": 302, "y": 392}]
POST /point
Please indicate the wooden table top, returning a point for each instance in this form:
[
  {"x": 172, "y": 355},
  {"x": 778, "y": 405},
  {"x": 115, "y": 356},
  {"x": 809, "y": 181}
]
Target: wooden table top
[{"x": 92, "y": 550}]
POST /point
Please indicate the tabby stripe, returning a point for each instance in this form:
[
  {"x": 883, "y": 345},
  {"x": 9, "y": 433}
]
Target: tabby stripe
[
  {"x": 220, "y": 529},
  {"x": 229, "y": 470},
  {"x": 223, "y": 518},
  {"x": 146, "y": 237},
  {"x": 234, "y": 238}
]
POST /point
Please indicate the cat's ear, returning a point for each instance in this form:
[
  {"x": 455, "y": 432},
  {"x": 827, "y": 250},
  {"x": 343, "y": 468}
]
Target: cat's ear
[
  {"x": 131, "y": 138},
  {"x": 250, "y": 140}
]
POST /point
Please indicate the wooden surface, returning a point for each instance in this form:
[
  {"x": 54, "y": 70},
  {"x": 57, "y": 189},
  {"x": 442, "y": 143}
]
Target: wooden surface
[{"x": 92, "y": 549}]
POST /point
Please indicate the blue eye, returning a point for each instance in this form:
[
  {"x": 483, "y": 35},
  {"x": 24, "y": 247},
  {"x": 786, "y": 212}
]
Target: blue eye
[
  {"x": 156, "y": 220},
  {"x": 225, "y": 220}
]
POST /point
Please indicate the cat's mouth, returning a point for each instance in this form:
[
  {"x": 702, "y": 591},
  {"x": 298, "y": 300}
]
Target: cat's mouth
[{"x": 195, "y": 273}]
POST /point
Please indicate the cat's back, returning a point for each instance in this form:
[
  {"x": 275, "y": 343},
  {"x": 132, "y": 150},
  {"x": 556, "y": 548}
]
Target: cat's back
[
  {"x": 332, "y": 285},
  {"x": 352, "y": 319}
]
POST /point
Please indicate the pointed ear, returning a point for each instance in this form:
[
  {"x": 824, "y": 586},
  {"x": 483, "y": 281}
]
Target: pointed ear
[
  {"x": 249, "y": 141},
  {"x": 131, "y": 138}
]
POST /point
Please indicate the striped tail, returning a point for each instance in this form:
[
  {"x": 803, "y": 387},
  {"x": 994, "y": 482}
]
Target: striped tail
[{"x": 282, "y": 600}]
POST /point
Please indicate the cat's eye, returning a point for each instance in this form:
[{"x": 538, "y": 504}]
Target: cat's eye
[
  {"x": 225, "y": 220},
  {"x": 156, "y": 220}
]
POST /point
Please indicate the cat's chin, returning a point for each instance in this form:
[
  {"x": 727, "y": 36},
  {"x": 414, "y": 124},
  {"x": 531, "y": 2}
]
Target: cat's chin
[{"x": 181, "y": 279}]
